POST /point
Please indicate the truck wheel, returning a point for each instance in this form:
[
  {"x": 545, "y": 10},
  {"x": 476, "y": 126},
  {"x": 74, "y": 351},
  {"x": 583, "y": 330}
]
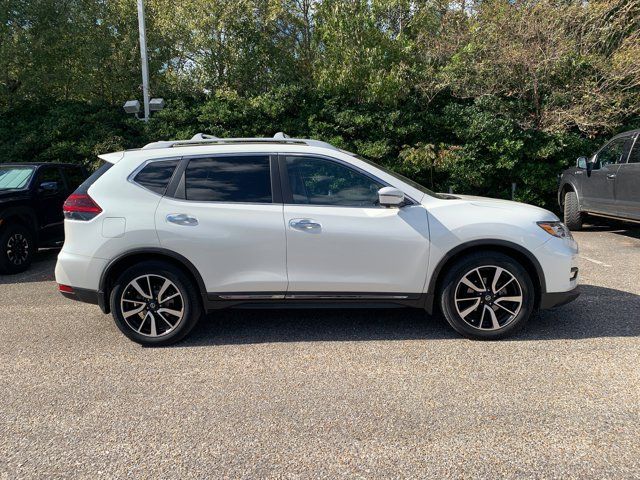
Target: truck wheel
[
  {"x": 572, "y": 214},
  {"x": 17, "y": 248}
]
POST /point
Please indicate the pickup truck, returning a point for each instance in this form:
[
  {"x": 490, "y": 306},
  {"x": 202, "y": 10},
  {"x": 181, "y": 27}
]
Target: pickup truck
[
  {"x": 31, "y": 198},
  {"x": 606, "y": 184}
]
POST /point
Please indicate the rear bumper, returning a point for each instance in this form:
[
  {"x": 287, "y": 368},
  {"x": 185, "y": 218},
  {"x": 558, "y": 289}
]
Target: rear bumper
[
  {"x": 93, "y": 297},
  {"x": 556, "y": 299}
]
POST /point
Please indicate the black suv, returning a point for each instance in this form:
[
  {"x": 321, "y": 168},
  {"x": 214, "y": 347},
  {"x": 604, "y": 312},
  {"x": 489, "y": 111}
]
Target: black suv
[
  {"x": 605, "y": 185},
  {"x": 31, "y": 198}
]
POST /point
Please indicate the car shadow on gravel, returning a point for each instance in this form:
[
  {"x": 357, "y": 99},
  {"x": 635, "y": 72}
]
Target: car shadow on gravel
[
  {"x": 598, "y": 312},
  {"x": 41, "y": 270}
]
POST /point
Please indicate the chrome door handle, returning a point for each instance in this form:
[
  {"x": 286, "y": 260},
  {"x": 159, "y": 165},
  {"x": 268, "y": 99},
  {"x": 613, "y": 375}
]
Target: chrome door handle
[
  {"x": 611, "y": 176},
  {"x": 182, "y": 219},
  {"x": 305, "y": 224}
]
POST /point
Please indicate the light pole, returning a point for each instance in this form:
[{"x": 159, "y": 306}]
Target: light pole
[
  {"x": 155, "y": 104},
  {"x": 143, "y": 57}
]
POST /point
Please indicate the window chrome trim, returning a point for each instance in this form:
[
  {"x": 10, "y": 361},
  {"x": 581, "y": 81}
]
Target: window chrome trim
[{"x": 282, "y": 156}]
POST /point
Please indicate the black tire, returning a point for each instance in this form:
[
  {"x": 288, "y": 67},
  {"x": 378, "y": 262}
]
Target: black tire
[
  {"x": 572, "y": 215},
  {"x": 188, "y": 301},
  {"x": 17, "y": 248},
  {"x": 480, "y": 317}
]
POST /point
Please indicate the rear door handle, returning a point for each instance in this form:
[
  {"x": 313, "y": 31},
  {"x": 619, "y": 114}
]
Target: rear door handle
[
  {"x": 611, "y": 176},
  {"x": 305, "y": 224},
  {"x": 182, "y": 219}
]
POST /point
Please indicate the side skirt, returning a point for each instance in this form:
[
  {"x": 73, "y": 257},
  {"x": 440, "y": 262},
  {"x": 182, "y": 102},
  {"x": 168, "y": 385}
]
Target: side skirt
[{"x": 216, "y": 301}]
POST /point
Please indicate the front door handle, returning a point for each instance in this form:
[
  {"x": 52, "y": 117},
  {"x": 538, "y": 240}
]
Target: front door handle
[
  {"x": 182, "y": 219},
  {"x": 611, "y": 176},
  {"x": 305, "y": 224}
]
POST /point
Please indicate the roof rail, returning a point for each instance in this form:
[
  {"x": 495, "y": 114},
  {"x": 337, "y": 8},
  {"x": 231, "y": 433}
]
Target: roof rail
[{"x": 204, "y": 139}]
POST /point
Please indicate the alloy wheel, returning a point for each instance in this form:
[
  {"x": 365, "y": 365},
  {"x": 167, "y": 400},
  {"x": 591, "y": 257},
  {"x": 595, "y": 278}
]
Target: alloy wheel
[
  {"x": 152, "y": 305},
  {"x": 17, "y": 249},
  {"x": 488, "y": 297}
]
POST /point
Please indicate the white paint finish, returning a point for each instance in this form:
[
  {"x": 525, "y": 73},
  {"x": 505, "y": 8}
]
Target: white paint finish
[
  {"x": 113, "y": 227},
  {"x": 557, "y": 257},
  {"x": 357, "y": 249},
  {"x": 467, "y": 219},
  {"x": 79, "y": 271},
  {"x": 236, "y": 247},
  {"x": 243, "y": 247}
]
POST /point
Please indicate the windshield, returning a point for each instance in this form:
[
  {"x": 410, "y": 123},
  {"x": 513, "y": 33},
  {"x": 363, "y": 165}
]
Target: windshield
[
  {"x": 415, "y": 185},
  {"x": 13, "y": 178}
]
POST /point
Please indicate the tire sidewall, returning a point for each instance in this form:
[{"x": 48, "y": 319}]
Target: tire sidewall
[
  {"x": 192, "y": 306},
  {"x": 6, "y": 266},
  {"x": 474, "y": 261},
  {"x": 571, "y": 213}
]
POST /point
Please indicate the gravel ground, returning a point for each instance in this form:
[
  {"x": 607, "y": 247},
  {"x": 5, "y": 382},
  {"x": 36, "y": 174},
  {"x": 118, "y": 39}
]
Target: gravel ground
[{"x": 300, "y": 394}]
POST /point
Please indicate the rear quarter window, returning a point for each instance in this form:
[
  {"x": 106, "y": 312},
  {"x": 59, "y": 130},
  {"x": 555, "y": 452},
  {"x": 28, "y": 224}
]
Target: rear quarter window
[
  {"x": 84, "y": 186},
  {"x": 156, "y": 176}
]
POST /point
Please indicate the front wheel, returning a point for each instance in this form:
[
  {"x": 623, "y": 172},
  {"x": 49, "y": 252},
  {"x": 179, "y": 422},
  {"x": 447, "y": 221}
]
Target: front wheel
[
  {"x": 155, "y": 304},
  {"x": 487, "y": 296},
  {"x": 572, "y": 215}
]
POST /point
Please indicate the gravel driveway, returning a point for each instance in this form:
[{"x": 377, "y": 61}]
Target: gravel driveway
[{"x": 349, "y": 393}]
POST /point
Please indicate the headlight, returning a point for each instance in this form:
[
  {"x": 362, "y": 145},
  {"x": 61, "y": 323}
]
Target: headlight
[{"x": 557, "y": 229}]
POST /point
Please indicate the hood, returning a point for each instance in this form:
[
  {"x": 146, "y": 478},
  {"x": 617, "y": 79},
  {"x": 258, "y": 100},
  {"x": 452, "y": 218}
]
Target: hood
[{"x": 510, "y": 205}]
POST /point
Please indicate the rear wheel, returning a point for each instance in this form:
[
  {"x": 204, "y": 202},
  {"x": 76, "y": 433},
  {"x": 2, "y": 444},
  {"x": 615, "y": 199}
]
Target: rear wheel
[
  {"x": 487, "y": 296},
  {"x": 17, "y": 249},
  {"x": 572, "y": 215},
  {"x": 155, "y": 304}
]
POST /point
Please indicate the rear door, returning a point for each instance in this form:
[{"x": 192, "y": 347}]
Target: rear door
[
  {"x": 226, "y": 218},
  {"x": 628, "y": 185},
  {"x": 51, "y": 193},
  {"x": 598, "y": 189}
]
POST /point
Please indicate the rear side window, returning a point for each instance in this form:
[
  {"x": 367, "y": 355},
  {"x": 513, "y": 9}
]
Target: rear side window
[
  {"x": 634, "y": 157},
  {"x": 74, "y": 176},
  {"x": 245, "y": 179},
  {"x": 84, "y": 186},
  {"x": 156, "y": 175}
]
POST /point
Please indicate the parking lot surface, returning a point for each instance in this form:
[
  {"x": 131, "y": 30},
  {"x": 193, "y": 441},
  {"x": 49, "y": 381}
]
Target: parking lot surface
[{"x": 302, "y": 393}]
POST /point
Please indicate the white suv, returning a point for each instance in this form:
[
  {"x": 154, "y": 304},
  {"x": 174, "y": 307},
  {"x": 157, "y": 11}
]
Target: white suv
[{"x": 162, "y": 234}]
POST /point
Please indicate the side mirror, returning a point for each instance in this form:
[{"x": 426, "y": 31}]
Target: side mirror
[
  {"x": 589, "y": 168},
  {"x": 581, "y": 163},
  {"x": 390, "y": 197},
  {"x": 49, "y": 187}
]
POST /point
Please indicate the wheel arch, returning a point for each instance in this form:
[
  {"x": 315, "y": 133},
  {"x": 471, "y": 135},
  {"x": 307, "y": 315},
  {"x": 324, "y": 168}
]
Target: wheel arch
[
  {"x": 130, "y": 258},
  {"x": 564, "y": 189},
  {"x": 22, "y": 215},
  {"x": 517, "y": 252}
]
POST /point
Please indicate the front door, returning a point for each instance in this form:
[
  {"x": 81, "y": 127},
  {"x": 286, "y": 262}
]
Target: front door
[
  {"x": 598, "y": 189},
  {"x": 225, "y": 222},
  {"x": 340, "y": 240},
  {"x": 628, "y": 185}
]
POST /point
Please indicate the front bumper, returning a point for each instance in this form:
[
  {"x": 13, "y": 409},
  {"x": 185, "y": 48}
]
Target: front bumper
[{"x": 557, "y": 299}]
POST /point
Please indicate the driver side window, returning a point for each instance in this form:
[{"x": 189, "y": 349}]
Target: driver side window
[
  {"x": 317, "y": 181},
  {"x": 612, "y": 153}
]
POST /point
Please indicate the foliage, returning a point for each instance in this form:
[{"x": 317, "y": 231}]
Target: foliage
[{"x": 469, "y": 95}]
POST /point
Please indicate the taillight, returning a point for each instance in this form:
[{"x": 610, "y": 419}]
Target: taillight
[{"x": 80, "y": 206}]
